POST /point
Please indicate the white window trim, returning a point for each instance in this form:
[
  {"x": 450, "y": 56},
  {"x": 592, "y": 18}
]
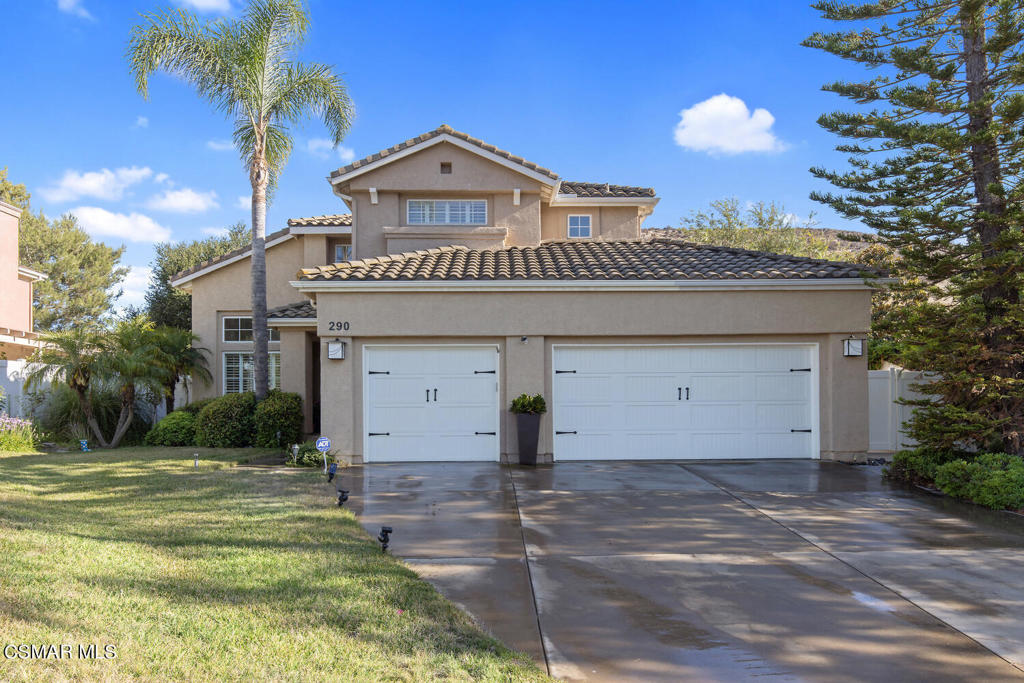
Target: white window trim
[
  {"x": 590, "y": 226},
  {"x": 487, "y": 209},
  {"x": 224, "y": 329},
  {"x": 224, "y": 370}
]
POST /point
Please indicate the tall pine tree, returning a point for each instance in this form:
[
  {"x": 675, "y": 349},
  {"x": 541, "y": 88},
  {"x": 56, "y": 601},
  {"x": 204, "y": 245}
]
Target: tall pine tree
[{"x": 936, "y": 146}]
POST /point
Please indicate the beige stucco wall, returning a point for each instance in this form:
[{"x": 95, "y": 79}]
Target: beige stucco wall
[
  {"x": 822, "y": 318},
  {"x": 15, "y": 291},
  {"x": 227, "y": 291},
  {"x": 606, "y": 222}
]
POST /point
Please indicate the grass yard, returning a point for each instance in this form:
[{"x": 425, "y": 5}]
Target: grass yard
[{"x": 222, "y": 574}]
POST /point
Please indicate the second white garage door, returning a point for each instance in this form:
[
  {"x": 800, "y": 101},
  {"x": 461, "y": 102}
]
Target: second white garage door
[
  {"x": 430, "y": 403},
  {"x": 685, "y": 402}
]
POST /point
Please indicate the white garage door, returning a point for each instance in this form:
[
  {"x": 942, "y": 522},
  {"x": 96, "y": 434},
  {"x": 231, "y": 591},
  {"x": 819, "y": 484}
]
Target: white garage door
[
  {"x": 685, "y": 402},
  {"x": 430, "y": 403}
]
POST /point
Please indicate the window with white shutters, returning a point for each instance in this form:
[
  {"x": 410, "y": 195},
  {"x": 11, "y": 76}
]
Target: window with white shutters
[
  {"x": 446, "y": 212},
  {"x": 238, "y": 371}
]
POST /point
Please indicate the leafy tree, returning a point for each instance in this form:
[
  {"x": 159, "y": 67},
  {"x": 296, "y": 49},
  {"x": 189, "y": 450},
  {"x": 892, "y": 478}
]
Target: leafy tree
[
  {"x": 762, "y": 227},
  {"x": 246, "y": 69},
  {"x": 83, "y": 276},
  {"x": 935, "y": 145},
  {"x": 173, "y": 308},
  {"x": 181, "y": 359},
  {"x": 131, "y": 355}
]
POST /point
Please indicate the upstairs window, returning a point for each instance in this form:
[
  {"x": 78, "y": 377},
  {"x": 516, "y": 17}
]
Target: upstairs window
[
  {"x": 239, "y": 329},
  {"x": 579, "y": 226},
  {"x": 447, "y": 212},
  {"x": 342, "y": 252}
]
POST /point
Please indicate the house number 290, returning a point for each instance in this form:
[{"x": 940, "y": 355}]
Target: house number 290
[{"x": 337, "y": 325}]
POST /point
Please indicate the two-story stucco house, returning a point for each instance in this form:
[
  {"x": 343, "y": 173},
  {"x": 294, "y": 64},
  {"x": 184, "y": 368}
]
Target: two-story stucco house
[
  {"x": 17, "y": 339},
  {"x": 463, "y": 275}
]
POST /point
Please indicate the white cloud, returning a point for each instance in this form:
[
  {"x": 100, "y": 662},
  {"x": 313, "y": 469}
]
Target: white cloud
[
  {"x": 244, "y": 201},
  {"x": 142, "y": 122},
  {"x": 215, "y": 232},
  {"x": 135, "y": 285},
  {"x": 185, "y": 200},
  {"x": 134, "y": 227},
  {"x": 161, "y": 178},
  {"x": 102, "y": 184},
  {"x": 74, "y": 7},
  {"x": 207, "y": 5},
  {"x": 322, "y": 147},
  {"x": 724, "y": 125},
  {"x": 220, "y": 145}
]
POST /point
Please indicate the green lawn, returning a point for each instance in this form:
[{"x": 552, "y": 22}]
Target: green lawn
[{"x": 225, "y": 573}]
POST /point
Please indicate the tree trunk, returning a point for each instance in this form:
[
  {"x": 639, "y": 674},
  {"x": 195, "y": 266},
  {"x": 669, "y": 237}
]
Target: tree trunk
[
  {"x": 124, "y": 420},
  {"x": 169, "y": 396},
  {"x": 260, "y": 334},
  {"x": 997, "y": 296},
  {"x": 90, "y": 418}
]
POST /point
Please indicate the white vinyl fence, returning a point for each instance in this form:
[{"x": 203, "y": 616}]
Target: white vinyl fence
[
  {"x": 12, "y": 380},
  {"x": 886, "y": 416}
]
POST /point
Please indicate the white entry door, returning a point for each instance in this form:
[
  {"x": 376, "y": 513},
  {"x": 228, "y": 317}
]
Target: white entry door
[
  {"x": 430, "y": 403},
  {"x": 685, "y": 402}
]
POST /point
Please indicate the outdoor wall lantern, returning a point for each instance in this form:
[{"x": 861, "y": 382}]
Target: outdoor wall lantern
[
  {"x": 853, "y": 347},
  {"x": 336, "y": 350}
]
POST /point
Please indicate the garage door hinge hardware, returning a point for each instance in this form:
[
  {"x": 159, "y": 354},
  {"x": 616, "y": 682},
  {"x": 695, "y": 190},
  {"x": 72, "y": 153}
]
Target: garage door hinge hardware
[
  {"x": 801, "y": 430},
  {"x": 573, "y": 432},
  {"x": 380, "y": 434},
  {"x": 486, "y": 433},
  {"x": 484, "y": 372},
  {"x": 799, "y": 369},
  {"x": 563, "y": 372},
  {"x": 380, "y": 372}
]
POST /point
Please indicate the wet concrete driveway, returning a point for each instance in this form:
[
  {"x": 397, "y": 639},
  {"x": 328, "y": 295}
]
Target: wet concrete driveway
[{"x": 798, "y": 570}]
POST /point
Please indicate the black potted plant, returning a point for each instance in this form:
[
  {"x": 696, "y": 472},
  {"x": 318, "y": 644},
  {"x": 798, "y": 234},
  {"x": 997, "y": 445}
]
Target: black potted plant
[{"x": 528, "y": 410}]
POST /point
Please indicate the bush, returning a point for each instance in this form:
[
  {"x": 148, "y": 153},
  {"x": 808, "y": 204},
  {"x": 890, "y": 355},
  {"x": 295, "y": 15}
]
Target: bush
[
  {"x": 16, "y": 434},
  {"x": 177, "y": 429},
  {"x": 995, "y": 480},
  {"x": 196, "y": 406},
  {"x": 918, "y": 465},
  {"x": 278, "y": 420},
  {"x": 56, "y": 413},
  {"x": 309, "y": 456},
  {"x": 227, "y": 422},
  {"x": 530, "y": 405}
]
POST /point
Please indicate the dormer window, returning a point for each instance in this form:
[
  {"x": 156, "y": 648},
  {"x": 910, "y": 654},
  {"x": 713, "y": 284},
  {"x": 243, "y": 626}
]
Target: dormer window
[
  {"x": 446, "y": 167},
  {"x": 447, "y": 212},
  {"x": 579, "y": 226}
]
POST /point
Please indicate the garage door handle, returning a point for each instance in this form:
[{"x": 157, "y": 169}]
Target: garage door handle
[
  {"x": 573, "y": 432},
  {"x": 486, "y": 433},
  {"x": 799, "y": 369},
  {"x": 379, "y": 372},
  {"x": 379, "y": 434},
  {"x": 565, "y": 372},
  {"x": 808, "y": 431},
  {"x": 484, "y": 372}
]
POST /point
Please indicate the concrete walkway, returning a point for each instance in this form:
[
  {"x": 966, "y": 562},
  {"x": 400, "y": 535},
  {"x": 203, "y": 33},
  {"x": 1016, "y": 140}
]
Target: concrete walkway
[{"x": 712, "y": 571}]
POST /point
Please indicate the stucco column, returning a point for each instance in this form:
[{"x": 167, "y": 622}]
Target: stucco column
[
  {"x": 848, "y": 377},
  {"x": 337, "y": 398},
  {"x": 524, "y": 372}
]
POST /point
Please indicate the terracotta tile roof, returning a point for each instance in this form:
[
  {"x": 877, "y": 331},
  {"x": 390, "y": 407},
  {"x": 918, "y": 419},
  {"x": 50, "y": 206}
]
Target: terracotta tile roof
[
  {"x": 329, "y": 219},
  {"x": 444, "y": 130},
  {"x": 603, "y": 190},
  {"x": 838, "y": 240},
  {"x": 224, "y": 257},
  {"x": 658, "y": 259},
  {"x": 299, "y": 311}
]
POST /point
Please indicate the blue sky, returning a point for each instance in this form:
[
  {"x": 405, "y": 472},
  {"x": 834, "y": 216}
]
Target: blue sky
[{"x": 591, "y": 90}]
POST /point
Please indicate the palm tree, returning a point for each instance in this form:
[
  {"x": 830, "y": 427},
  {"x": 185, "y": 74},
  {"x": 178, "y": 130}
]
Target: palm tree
[
  {"x": 131, "y": 356},
  {"x": 245, "y": 68},
  {"x": 71, "y": 356},
  {"x": 182, "y": 358}
]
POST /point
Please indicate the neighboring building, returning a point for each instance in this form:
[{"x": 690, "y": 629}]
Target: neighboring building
[
  {"x": 17, "y": 339},
  {"x": 504, "y": 279}
]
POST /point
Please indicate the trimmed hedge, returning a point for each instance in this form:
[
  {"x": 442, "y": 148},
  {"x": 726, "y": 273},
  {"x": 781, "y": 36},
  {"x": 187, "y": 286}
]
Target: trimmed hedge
[
  {"x": 177, "y": 429},
  {"x": 196, "y": 406},
  {"x": 278, "y": 420},
  {"x": 995, "y": 480},
  {"x": 227, "y": 422}
]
